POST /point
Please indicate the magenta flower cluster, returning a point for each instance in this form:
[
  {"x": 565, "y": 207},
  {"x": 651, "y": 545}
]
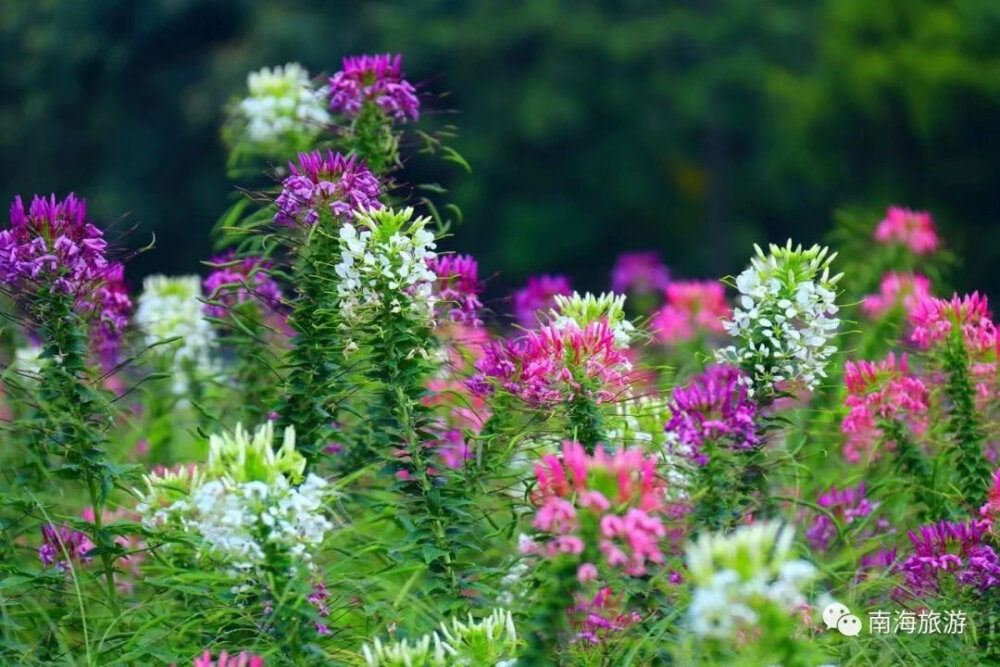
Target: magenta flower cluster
[
  {"x": 934, "y": 319},
  {"x": 63, "y": 545},
  {"x": 692, "y": 307},
  {"x": 897, "y": 290},
  {"x": 235, "y": 281},
  {"x": 950, "y": 549},
  {"x": 555, "y": 364},
  {"x": 879, "y": 391},
  {"x": 538, "y": 295},
  {"x": 639, "y": 273},
  {"x": 458, "y": 287},
  {"x": 605, "y": 504},
  {"x": 845, "y": 504},
  {"x": 377, "y": 79},
  {"x": 325, "y": 181},
  {"x": 50, "y": 245},
  {"x": 712, "y": 407},
  {"x": 913, "y": 229}
]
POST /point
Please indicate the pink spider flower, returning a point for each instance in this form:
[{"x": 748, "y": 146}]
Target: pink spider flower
[
  {"x": 330, "y": 181},
  {"x": 607, "y": 505},
  {"x": 692, "y": 306},
  {"x": 377, "y": 79},
  {"x": 243, "y": 659},
  {"x": 897, "y": 290},
  {"x": 458, "y": 287},
  {"x": 934, "y": 319},
  {"x": 879, "y": 391},
  {"x": 957, "y": 550},
  {"x": 538, "y": 295},
  {"x": 235, "y": 281},
  {"x": 914, "y": 229},
  {"x": 639, "y": 273},
  {"x": 555, "y": 364}
]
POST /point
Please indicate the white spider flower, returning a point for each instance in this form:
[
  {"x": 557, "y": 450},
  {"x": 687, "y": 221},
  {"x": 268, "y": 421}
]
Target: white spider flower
[
  {"x": 589, "y": 308},
  {"x": 786, "y": 318},
  {"x": 737, "y": 575},
  {"x": 170, "y": 307},
  {"x": 245, "y": 502},
  {"x": 487, "y": 641},
  {"x": 282, "y": 105},
  {"x": 383, "y": 266}
]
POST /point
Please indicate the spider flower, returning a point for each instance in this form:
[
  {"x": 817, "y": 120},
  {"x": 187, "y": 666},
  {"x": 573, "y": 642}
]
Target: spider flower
[
  {"x": 378, "y": 79},
  {"x": 236, "y": 281},
  {"x": 934, "y": 320},
  {"x": 63, "y": 545},
  {"x": 786, "y": 319},
  {"x": 603, "y": 505},
  {"x": 913, "y": 229},
  {"x": 639, "y": 273},
  {"x": 738, "y": 576},
  {"x": 325, "y": 181},
  {"x": 538, "y": 295},
  {"x": 951, "y": 550},
  {"x": 715, "y": 407},
  {"x": 846, "y": 504},
  {"x": 51, "y": 246},
  {"x": 384, "y": 266},
  {"x": 282, "y": 106},
  {"x": 897, "y": 290},
  {"x": 555, "y": 365},
  {"x": 876, "y": 392},
  {"x": 458, "y": 287},
  {"x": 589, "y": 308},
  {"x": 692, "y": 306},
  {"x": 171, "y": 307}
]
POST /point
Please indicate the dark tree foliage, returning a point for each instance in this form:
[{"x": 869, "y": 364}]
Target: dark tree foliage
[{"x": 693, "y": 127}]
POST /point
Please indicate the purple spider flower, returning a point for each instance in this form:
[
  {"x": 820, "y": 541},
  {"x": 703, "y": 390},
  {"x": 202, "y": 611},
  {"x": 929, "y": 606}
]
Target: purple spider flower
[
  {"x": 713, "y": 407},
  {"x": 639, "y": 273},
  {"x": 377, "y": 79},
  {"x": 341, "y": 184},
  {"x": 50, "y": 245},
  {"x": 846, "y": 504},
  {"x": 235, "y": 281},
  {"x": 458, "y": 286},
  {"x": 62, "y": 545},
  {"x": 538, "y": 295},
  {"x": 949, "y": 547}
]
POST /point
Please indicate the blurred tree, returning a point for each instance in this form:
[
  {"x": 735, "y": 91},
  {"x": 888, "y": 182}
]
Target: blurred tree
[{"x": 593, "y": 126}]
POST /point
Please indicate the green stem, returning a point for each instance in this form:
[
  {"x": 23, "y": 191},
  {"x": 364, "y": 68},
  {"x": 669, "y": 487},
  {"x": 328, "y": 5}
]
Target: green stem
[
  {"x": 551, "y": 619},
  {"x": 963, "y": 422}
]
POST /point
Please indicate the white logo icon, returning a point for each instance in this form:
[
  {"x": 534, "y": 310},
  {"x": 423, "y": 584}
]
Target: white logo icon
[{"x": 838, "y": 616}]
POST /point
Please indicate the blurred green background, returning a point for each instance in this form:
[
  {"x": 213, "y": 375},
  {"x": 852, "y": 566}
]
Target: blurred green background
[{"x": 693, "y": 127}]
